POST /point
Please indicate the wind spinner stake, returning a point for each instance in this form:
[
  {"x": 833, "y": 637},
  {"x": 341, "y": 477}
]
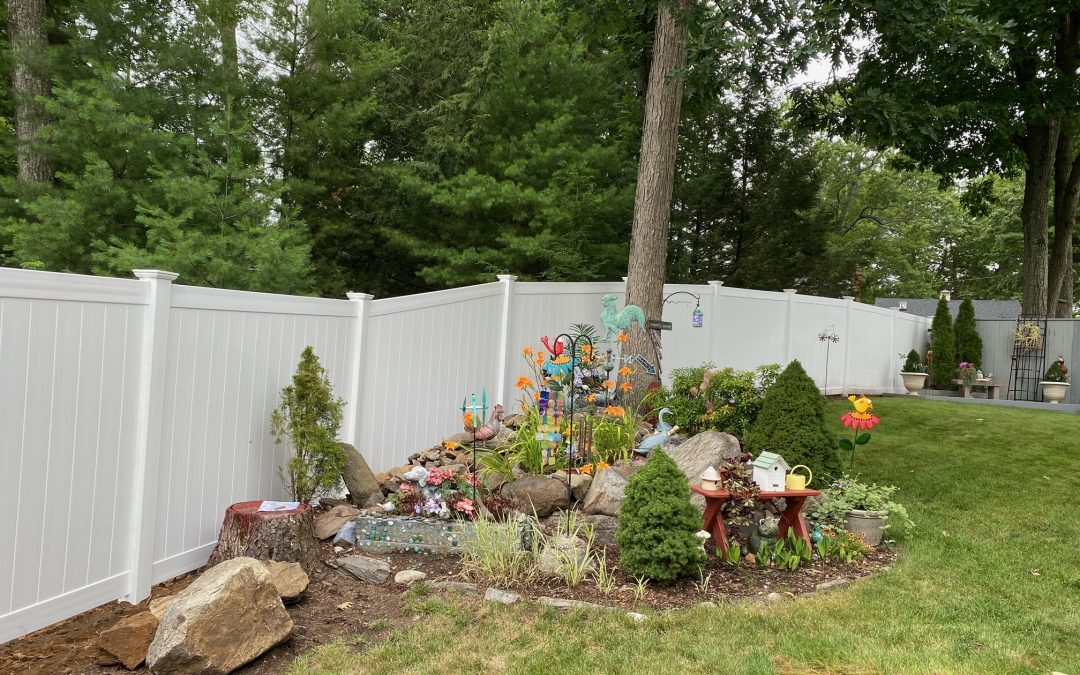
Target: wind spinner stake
[{"x": 472, "y": 418}]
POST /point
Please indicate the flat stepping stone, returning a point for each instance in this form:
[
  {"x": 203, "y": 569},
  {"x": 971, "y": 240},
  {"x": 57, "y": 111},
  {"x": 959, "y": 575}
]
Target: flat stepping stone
[{"x": 363, "y": 568}]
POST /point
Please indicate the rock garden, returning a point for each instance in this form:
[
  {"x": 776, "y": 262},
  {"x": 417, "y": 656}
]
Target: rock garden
[{"x": 727, "y": 487}]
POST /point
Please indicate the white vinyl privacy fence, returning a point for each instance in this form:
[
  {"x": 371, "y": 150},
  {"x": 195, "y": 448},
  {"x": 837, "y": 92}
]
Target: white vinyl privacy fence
[{"x": 132, "y": 412}]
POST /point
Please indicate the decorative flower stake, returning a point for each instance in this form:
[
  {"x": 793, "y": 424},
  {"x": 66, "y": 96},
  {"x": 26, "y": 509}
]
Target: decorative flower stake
[{"x": 861, "y": 421}]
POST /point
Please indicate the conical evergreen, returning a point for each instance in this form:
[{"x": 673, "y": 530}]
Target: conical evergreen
[
  {"x": 792, "y": 424},
  {"x": 943, "y": 344},
  {"x": 968, "y": 342},
  {"x": 657, "y": 523}
]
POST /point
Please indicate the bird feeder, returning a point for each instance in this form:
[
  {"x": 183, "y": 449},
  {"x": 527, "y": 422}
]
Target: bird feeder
[
  {"x": 697, "y": 319},
  {"x": 770, "y": 471},
  {"x": 710, "y": 479}
]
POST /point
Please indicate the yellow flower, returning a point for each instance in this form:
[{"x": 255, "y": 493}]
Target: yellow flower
[
  {"x": 523, "y": 382},
  {"x": 607, "y": 384},
  {"x": 626, "y": 386},
  {"x": 623, "y": 337},
  {"x": 626, "y": 371}
]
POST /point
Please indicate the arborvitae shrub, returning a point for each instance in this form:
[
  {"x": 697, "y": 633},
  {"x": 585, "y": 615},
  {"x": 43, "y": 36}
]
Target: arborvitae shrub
[
  {"x": 968, "y": 342},
  {"x": 657, "y": 523},
  {"x": 943, "y": 344},
  {"x": 913, "y": 363},
  {"x": 792, "y": 424}
]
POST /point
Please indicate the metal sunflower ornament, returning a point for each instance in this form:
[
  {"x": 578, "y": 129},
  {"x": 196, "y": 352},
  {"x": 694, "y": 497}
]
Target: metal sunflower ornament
[{"x": 860, "y": 420}]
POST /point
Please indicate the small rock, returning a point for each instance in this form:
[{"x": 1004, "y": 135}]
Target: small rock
[
  {"x": 409, "y": 576},
  {"x": 831, "y": 585},
  {"x": 563, "y": 603},
  {"x": 636, "y": 616},
  {"x": 129, "y": 639},
  {"x": 708, "y": 604},
  {"x": 460, "y": 586},
  {"x": 289, "y": 579},
  {"x": 159, "y": 605},
  {"x": 368, "y": 570},
  {"x": 604, "y": 528},
  {"x": 559, "y": 551},
  {"x": 775, "y": 597},
  {"x": 504, "y": 597},
  {"x": 330, "y": 523},
  {"x": 339, "y": 549}
]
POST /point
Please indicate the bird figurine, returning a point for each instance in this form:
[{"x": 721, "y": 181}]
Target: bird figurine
[
  {"x": 662, "y": 425},
  {"x": 557, "y": 350},
  {"x": 618, "y": 321},
  {"x": 489, "y": 430},
  {"x": 417, "y": 474},
  {"x": 655, "y": 440},
  {"x": 1061, "y": 364},
  {"x": 862, "y": 404}
]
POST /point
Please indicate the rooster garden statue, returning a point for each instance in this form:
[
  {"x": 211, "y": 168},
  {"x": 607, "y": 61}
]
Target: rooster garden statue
[{"x": 618, "y": 321}]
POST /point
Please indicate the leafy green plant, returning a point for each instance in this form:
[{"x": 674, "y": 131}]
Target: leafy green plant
[
  {"x": 524, "y": 451},
  {"x": 913, "y": 363},
  {"x": 792, "y": 424},
  {"x": 733, "y": 554},
  {"x": 1057, "y": 372},
  {"x": 657, "y": 523},
  {"x": 613, "y": 437},
  {"x": 849, "y": 493},
  {"x": 605, "y": 578},
  {"x": 641, "y": 588},
  {"x": 725, "y": 400},
  {"x": 841, "y": 545},
  {"x": 309, "y": 416}
]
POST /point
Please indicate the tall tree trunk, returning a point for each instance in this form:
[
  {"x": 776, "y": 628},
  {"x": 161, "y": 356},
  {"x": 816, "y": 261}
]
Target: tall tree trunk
[
  {"x": 1066, "y": 192},
  {"x": 656, "y": 177},
  {"x": 26, "y": 26},
  {"x": 1040, "y": 149}
]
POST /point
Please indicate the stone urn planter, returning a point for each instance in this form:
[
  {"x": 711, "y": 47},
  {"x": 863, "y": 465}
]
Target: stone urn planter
[
  {"x": 1054, "y": 392},
  {"x": 914, "y": 382},
  {"x": 870, "y": 524}
]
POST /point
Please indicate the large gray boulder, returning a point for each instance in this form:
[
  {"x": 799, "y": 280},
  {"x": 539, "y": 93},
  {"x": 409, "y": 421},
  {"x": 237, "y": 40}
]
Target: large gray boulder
[
  {"x": 229, "y": 616},
  {"x": 607, "y": 491},
  {"x": 537, "y": 493},
  {"x": 363, "y": 568},
  {"x": 358, "y": 477},
  {"x": 709, "y": 448}
]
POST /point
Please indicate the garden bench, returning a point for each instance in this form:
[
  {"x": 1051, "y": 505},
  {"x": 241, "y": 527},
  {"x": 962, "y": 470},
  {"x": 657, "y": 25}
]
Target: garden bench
[
  {"x": 790, "y": 519},
  {"x": 992, "y": 388}
]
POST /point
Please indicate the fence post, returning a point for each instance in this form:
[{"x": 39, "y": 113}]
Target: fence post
[
  {"x": 355, "y": 365},
  {"x": 849, "y": 300},
  {"x": 713, "y": 354},
  {"x": 789, "y": 297},
  {"x": 507, "y": 281},
  {"x": 891, "y": 365},
  {"x": 147, "y": 455}
]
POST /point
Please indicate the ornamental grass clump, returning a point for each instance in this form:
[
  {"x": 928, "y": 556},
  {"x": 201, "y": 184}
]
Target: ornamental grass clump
[
  {"x": 792, "y": 424},
  {"x": 309, "y": 416},
  {"x": 657, "y": 523}
]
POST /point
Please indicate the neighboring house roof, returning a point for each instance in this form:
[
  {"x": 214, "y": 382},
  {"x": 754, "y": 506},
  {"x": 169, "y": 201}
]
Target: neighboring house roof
[{"x": 984, "y": 309}]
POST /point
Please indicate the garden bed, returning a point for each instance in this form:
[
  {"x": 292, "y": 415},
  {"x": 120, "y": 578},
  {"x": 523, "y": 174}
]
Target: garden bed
[{"x": 68, "y": 647}]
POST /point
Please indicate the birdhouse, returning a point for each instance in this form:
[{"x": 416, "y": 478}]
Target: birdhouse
[
  {"x": 770, "y": 470},
  {"x": 710, "y": 479}
]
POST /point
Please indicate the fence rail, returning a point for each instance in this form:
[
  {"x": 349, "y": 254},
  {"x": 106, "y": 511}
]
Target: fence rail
[{"x": 132, "y": 412}]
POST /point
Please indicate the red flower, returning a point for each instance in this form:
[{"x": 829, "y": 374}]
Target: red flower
[{"x": 859, "y": 421}]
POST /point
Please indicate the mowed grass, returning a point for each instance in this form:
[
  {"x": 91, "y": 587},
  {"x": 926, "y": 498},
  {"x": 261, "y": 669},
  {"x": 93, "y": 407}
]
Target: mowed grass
[{"x": 989, "y": 582}]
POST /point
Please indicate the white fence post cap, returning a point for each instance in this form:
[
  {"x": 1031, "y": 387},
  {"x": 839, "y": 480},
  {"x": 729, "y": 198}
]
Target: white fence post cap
[
  {"x": 359, "y": 296},
  {"x": 155, "y": 274}
]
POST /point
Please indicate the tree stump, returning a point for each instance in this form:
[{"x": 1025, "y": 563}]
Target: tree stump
[{"x": 285, "y": 536}]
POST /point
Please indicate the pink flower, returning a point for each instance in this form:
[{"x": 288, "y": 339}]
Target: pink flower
[
  {"x": 472, "y": 479},
  {"x": 465, "y": 506},
  {"x": 406, "y": 488},
  {"x": 435, "y": 477}
]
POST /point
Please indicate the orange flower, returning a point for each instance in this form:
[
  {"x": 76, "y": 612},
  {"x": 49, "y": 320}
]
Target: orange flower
[
  {"x": 626, "y": 371},
  {"x": 586, "y": 349},
  {"x": 607, "y": 384},
  {"x": 527, "y": 351},
  {"x": 614, "y": 410},
  {"x": 539, "y": 360},
  {"x": 626, "y": 386},
  {"x": 591, "y": 398},
  {"x": 468, "y": 419},
  {"x": 523, "y": 382},
  {"x": 623, "y": 337},
  {"x": 536, "y": 396}
]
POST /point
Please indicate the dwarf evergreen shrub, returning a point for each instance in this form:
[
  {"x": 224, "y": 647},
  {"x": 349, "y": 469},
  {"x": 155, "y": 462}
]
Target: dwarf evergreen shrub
[
  {"x": 792, "y": 424},
  {"x": 309, "y": 416},
  {"x": 943, "y": 344},
  {"x": 913, "y": 363},
  {"x": 657, "y": 523},
  {"x": 968, "y": 342}
]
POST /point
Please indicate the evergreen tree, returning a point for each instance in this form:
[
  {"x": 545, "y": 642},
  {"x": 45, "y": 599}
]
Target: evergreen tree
[
  {"x": 792, "y": 424},
  {"x": 657, "y": 523},
  {"x": 943, "y": 344},
  {"x": 968, "y": 342}
]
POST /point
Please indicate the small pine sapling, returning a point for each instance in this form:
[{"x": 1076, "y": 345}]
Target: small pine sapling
[
  {"x": 657, "y": 523},
  {"x": 309, "y": 417},
  {"x": 943, "y": 343},
  {"x": 913, "y": 363}
]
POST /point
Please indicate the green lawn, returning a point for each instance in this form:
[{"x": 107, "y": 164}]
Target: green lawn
[{"x": 989, "y": 583}]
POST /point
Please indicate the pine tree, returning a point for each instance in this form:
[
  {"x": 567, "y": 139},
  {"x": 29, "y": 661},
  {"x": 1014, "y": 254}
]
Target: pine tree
[
  {"x": 657, "y": 523},
  {"x": 943, "y": 344},
  {"x": 968, "y": 342},
  {"x": 792, "y": 424}
]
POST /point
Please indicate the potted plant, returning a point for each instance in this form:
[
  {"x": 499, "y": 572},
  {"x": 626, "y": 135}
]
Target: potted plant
[
  {"x": 1055, "y": 383},
  {"x": 865, "y": 509},
  {"x": 913, "y": 373}
]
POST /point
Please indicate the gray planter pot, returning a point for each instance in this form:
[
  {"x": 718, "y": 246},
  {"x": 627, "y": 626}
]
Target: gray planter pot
[{"x": 870, "y": 524}]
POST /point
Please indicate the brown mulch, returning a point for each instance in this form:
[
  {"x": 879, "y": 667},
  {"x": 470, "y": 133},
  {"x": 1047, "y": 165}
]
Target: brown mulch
[{"x": 67, "y": 647}]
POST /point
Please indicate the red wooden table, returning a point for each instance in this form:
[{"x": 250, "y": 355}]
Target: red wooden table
[{"x": 791, "y": 518}]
